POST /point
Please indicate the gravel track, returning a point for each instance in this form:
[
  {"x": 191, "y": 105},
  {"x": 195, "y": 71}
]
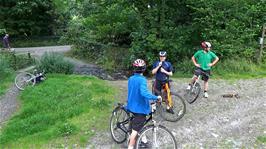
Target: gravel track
[
  {"x": 213, "y": 122},
  {"x": 8, "y": 104}
]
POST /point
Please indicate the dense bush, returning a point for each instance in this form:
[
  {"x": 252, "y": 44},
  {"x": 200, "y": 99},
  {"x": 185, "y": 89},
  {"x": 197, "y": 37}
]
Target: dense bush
[
  {"x": 34, "y": 41},
  {"x": 55, "y": 63},
  {"x": 178, "y": 27},
  {"x": 6, "y": 75},
  {"x": 18, "y": 61},
  {"x": 35, "y": 17},
  {"x": 5, "y": 68}
]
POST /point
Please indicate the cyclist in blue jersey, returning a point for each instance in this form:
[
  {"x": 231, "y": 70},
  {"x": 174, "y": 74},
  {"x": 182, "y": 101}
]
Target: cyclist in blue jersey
[
  {"x": 138, "y": 100},
  {"x": 162, "y": 70}
]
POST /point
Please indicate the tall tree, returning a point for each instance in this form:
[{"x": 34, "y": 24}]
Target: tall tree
[{"x": 33, "y": 17}]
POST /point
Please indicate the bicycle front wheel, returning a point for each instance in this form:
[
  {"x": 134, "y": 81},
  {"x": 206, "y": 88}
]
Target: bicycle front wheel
[
  {"x": 24, "y": 79},
  {"x": 156, "y": 137},
  {"x": 193, "y": 93},
  {"x": 178, "y": 108},
  {"x": 119, "y": 124}
]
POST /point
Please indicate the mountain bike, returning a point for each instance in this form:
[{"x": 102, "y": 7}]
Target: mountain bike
[
  {"x": 170, "y": 100},
  {"x": 193, "y": 93},
  {"x": 25, "y": 79},
  {"x": 154, "y": 135}
]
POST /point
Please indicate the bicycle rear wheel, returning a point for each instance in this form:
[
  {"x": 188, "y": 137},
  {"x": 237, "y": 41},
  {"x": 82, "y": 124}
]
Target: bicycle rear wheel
[
  {"x": 119, "y": 123},
  {"x": 179, "y": 108},
  {"x": 156, "y": 137},
  {"x": 24, "y": 79},
  {"x": 193, "y": 93}
]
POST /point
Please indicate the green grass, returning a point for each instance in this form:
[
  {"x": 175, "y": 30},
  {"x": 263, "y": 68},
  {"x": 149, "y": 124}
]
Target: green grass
[
  {"x": 35, "y": 42},
  {"x": 6, "y": 82},
  {"x": 62, "y": 111},
  {"x": 262, "y": 139},
  {"x": 226, "y": 69}
]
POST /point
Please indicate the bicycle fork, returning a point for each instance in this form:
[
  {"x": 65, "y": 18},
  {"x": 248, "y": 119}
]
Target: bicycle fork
[
  {"x": 194, "y": 84},
  {"x": 155, "y": 145}
]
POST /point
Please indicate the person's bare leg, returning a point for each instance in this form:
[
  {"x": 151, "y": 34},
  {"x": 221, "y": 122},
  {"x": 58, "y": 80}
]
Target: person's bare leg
[
  {"x": 132, "y": 139},
  {"x": 206, "y": 84}
]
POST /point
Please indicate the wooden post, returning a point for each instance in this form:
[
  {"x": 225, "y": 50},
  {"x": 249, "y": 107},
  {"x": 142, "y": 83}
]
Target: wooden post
[
  {"x": 29, "y": 56},
  {"x": 260, "y": 52}
]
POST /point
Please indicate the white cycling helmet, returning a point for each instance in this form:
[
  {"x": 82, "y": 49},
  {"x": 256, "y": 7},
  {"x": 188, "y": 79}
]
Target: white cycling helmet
[
  {"x": 162, "y": 53},
  {"x": 139, "y": 65},
  {"x": 206, "y": 44}
]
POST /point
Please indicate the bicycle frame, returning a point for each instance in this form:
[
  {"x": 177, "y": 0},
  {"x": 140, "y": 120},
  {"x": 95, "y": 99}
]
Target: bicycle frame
[
  {"x": 197, "y": 78},
  {"x": 120, "y": 130},
  {"x": 29, "y": 80},
  {"x": 121, "y": 125}
]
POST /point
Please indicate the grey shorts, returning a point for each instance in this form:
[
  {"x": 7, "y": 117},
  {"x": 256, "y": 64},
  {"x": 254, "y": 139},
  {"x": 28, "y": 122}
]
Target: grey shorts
[{"x": 204, "y": 73}]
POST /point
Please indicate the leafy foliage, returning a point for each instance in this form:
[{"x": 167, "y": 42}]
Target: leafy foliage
[
  {"x": 6, "y": 74},
  {"x": 14, "y": 62},
  {"x": 232, "y": 26},
  {"x": 24, "y": 17},
  {"x": 146, "y": 27},
  {"x": 178, "y": 27},
  {"x": 55, "y": 63}
]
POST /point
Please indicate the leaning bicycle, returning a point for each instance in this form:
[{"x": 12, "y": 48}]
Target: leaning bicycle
[
  {"x": 152, "y": 135},
  {"x": 193, "y": 93},
  {"x": 25, "y": 79},
  {"x": 172, "y": 101}
]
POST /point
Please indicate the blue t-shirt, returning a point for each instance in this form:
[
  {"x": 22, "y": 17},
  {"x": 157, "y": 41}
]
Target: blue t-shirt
[
  {"x": 139, "y": 95},
  {"x": 165, "y": 65}
]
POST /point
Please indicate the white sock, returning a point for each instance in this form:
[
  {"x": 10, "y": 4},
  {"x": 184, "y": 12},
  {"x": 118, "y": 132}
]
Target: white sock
[{"x": 130, "y": 147}]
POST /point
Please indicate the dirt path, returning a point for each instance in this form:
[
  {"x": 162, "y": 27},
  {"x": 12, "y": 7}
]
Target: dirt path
[
  {"x": 215, "y": 122},
  {"x": 8, "y": 104}
]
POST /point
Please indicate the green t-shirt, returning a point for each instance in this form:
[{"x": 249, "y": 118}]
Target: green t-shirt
[{"x": 204, "y": 59}]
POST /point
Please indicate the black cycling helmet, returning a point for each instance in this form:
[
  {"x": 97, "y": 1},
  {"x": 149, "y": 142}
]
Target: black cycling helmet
[
  {"x": 206, "y": 44},
  {"x": 162, "y": 53},
  {"x": 139, "y": 66}
]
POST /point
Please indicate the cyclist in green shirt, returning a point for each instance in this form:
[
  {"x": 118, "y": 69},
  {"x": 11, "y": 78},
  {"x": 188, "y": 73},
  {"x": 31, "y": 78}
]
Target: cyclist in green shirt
[{"x": 203, "y": 59}]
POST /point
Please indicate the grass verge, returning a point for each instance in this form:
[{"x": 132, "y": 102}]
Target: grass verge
[
  {"x": 262, "y": 139},
  {"x": 35, "y": 42},
  {"x": 5, "y": 83},
  {"x": 60, "y": 112},
  {"x": 232, "y": 69}
]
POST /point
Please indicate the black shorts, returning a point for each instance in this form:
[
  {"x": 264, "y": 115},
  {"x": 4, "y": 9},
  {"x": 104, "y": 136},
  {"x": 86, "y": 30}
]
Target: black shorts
[
  {"x": 159, "y": 86},
  {"x": 204, "y": 73},
  {"x": 137, "y": 123}
]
